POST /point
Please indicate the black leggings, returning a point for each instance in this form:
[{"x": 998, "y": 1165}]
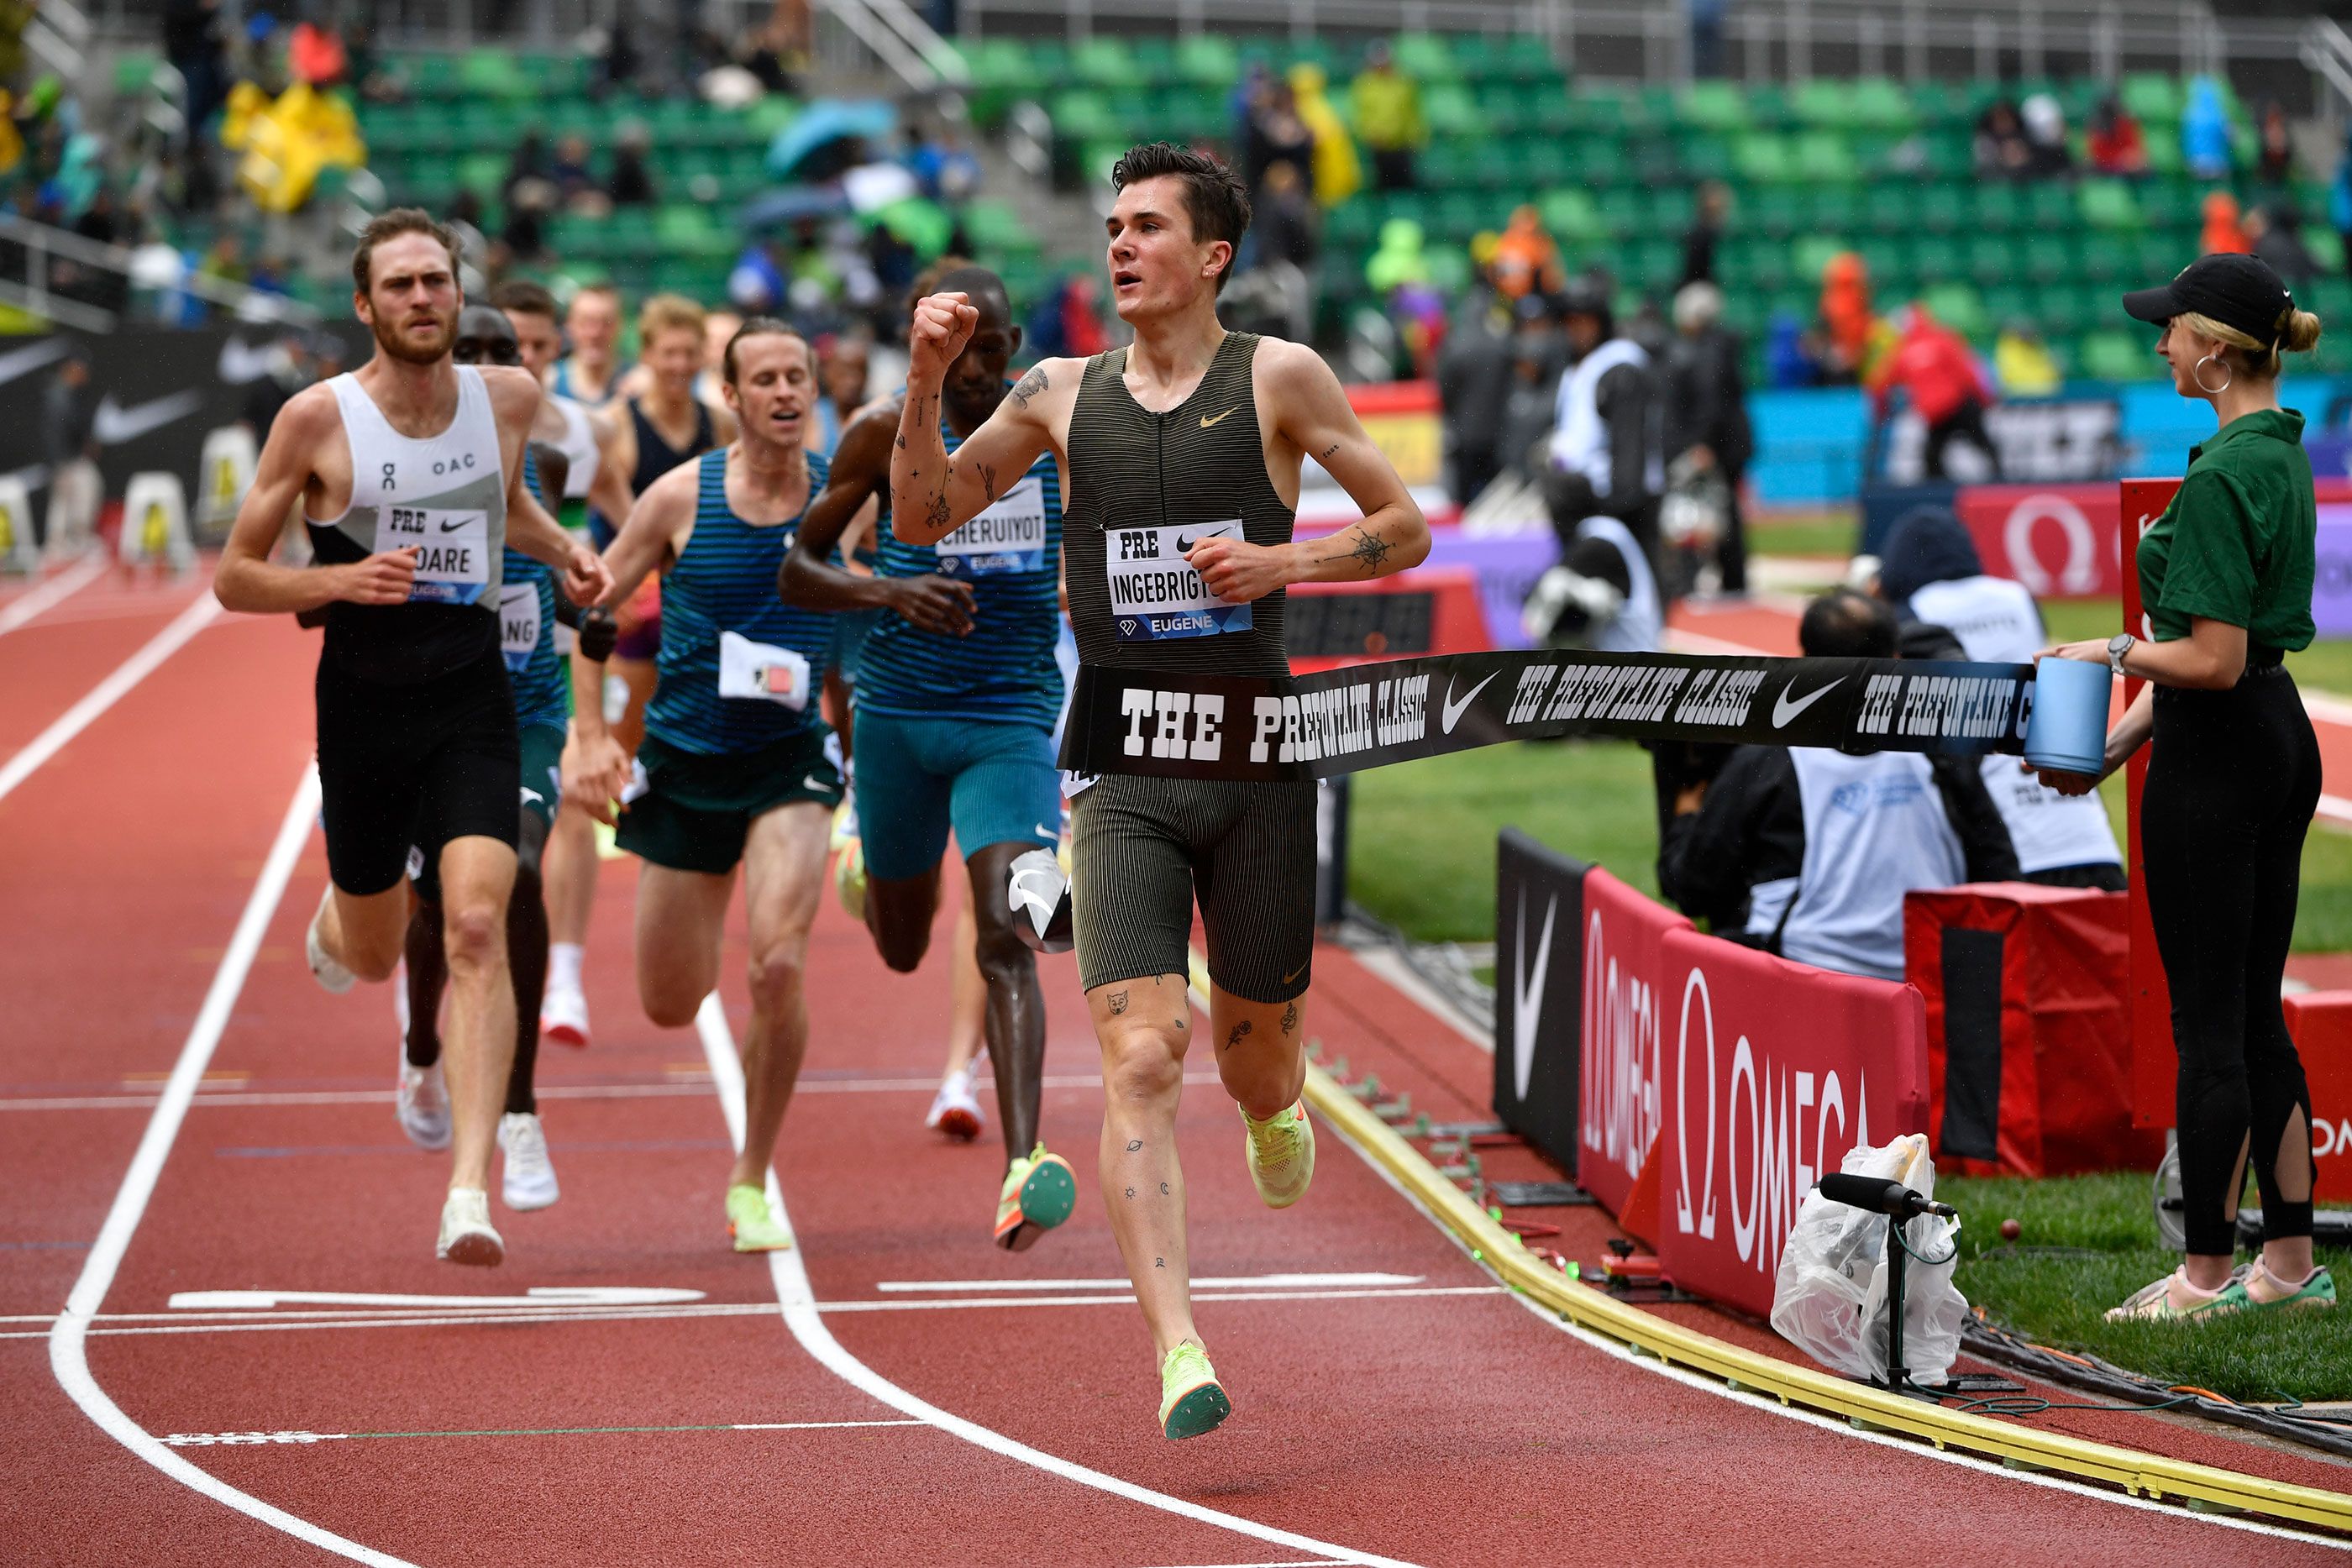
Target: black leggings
[{"x": 2233, "y": 781}]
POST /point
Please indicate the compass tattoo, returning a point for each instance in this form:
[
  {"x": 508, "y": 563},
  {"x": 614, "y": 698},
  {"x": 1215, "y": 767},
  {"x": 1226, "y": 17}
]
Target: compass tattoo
[{"x": 1369, "y": 549}]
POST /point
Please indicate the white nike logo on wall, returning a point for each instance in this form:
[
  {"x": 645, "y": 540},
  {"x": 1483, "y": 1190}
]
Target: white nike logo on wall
[
  {"x": 115, "y": 425},
  {"x": 1783, "y": 710},
  {"x": 1527, "y": 1013},
  {"x": 1453, "y": 708},
  {"x": 25, "y": 360}
]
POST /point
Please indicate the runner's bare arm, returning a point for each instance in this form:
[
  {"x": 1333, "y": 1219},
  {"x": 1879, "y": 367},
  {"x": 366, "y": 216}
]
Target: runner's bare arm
[
  {"x": 531, "y": 530},
  {"x": 609, "y": 491},
  {"x": 1313, "y": 415},
  {"x": 930, "y": 494},
  {"x": 861, "y": 466},
  {"x": 654, "y": 534},
  {"x": 248, "y": 579}
]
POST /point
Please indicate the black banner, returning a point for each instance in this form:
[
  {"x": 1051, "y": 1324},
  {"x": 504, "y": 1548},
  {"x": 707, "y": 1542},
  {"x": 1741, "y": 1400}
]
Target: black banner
[
  {"x": 1538, "y": 993},
  {"x": 1343, "y": 721}
]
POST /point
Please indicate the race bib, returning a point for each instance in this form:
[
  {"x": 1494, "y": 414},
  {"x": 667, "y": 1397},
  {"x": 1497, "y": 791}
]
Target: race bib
[
  {"x": 1009, "y": 537},
  {"x": 761, "y": 674},
  {"x": 1155, "y": 594},
  {"x": 518, "y": 625},
  {"x": 453, "y": 550}
]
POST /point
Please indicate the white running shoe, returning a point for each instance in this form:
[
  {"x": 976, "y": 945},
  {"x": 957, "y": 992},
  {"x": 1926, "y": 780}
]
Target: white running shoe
[
  {"x": 467, "y": 1234},
  {"x": 563, "y": 1018},
  {"x": 422, "y": 1103},
  {"x": 955, "y": 1111},
  {"x": 529, "y": 1179},
  {"x": 323, "y": 967}
]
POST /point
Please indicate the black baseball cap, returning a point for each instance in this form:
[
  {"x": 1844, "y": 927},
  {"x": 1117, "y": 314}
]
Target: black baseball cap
[{"x": 2238, "y": 291}]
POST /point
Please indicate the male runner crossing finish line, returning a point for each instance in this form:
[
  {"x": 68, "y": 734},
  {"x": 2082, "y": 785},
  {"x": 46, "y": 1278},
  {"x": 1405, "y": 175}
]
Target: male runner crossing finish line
[
  {"x": 1180, "y": 457},
  {"x": 956, "y": 701},
  {"x": 738, "y": 765},
  {"x": 410, "y": 475}
]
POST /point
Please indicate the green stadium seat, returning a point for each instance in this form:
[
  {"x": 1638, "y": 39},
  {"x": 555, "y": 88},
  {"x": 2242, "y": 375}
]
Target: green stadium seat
[
  {"x": 1106, "y": 62},
  {"x": 2107, "y": 204},
  {"x": 2327, "y": 249},
  {"x": 134, "y": 73},
  {"x": 2114, "y": 356},
  {"x": 1838, "y": 209},
  {"x": 1882, "y": 105},
  {"x": 1718, "y": 105},
  {"x": 1999, "y": 206},
  {"x": 1624, "y": 212},
  {"x": 493, "y": 73},
  {"x": 1944, "y": 208},
  {"x": 1084, "y": 116},
  {"x": 1937, "y": 258},
  {"x": 2010, "y": 302},
  {"x": 1958, "y": 306},
  {"x": 1777, "y": 210},
  {"x": 2154, "y": 100},
  {"x": 1208, "y": 59},
  {"x": 1991, "y": 258},
  {"x": 1763, "y": 160},
  {"x": 1425, "y": 58},
  {"x": 1451, "y": 110},
  {"x": 1155, "y": 60}
]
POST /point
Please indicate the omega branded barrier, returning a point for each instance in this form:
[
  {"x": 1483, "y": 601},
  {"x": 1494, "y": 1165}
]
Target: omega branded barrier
[
  {"x": 1618, "y": 1031},
  {"x": 2321, "y": 1022}
]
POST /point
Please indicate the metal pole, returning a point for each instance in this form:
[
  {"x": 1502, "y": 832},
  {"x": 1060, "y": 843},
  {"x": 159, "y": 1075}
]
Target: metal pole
[{"x": 1915, "y": 41}]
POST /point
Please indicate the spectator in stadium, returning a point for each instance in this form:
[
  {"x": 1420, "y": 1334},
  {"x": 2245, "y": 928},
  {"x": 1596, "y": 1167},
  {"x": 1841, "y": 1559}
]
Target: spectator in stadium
[
  {"x": 1273, "y": 133},
  {"x": 1790, "y": 359},
  {"x": 1806, "y": 852},
  {"x": 1848, "y": 322},
  {"x": 2205, "y": 131},
  {"x": 529, "y": 162},
  {"x": 2117, "y": 145},
  {"x": 1601, "y": 595},
  {"x": 841, "y": 361},
  {"x": 68, "y": 419},
  {"x": 2045, "y": 138},
  {"x": 2275, "y": 234},
  {"x": 574, "y": 182},
  {"x": 1473, "y": 386},
  {"x": 1526, "y": 259},
  {"x": 1282, "y": 242},
  {"x": 1338, "y": 174},
  {"x": 1929, "y": 572},
  {"x": 1705, "y": 233},
  {"x": 193, "y": 42},
  {"x": 1935, "y": 367},
  {"x": 1707, "y": 414},
  {"x": 1539, "y": 359},
  {"x": 1605, "y": 456},
  {"x": 944, "y": 165},
  {"x": 1707, "y": 19},
  {"x": 1388, "y": 117},
  {"x": 2023, "y": 364},
  {"x": 2222, "y": 232},
  {"x": 631, "y": 183},
  {"x": 2002, "y": 149},
  {"x": 474, "y": 260},
  {"x": 2275, "y": 157}
]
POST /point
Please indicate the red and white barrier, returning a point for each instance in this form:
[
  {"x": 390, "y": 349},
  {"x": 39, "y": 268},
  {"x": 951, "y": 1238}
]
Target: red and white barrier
[{"x": 1619, "y": 1104}]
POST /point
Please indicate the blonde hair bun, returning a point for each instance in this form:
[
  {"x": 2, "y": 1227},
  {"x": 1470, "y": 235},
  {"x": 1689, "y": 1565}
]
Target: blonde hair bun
[{"x": 2301, "y": 334}]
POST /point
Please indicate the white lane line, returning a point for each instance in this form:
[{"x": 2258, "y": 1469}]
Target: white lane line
[
  {"x": 296, "y": 1438},
  {"x": 68, "y": 1358},
  {"x": 1206, "y": 1283},
  {"x": 246, "y": 1322},
  {"x": 34, "y": 602},
  {"x": 804, "y": 1318},
  {"x": 698, "y": 1084},
  {"x": 538, "y": 1296},
  {"x": 2335, "y": 807},
  {"x": 1835, "y": 1426},
  {"x": 108, "y": 692}
]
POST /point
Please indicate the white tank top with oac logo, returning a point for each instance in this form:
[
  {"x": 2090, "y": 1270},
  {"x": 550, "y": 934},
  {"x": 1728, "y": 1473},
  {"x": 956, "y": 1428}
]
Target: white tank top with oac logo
[{"x": 444, "y": 495}]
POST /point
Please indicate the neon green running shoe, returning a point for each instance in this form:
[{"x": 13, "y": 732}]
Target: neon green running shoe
[
  {"x": 2156, "y": 1302},
  {"x": 749, "y": 1220},
  {"x": 2318, "y": 1292},
  {"x": 1282, "y": 1155},
  {"x": 1192, "y": 1400},
  {"x": 1040, "y": 1190},
  {"x": 849, "y": 878}
]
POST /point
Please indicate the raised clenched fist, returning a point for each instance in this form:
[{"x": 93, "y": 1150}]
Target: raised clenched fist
[{"x": 942, "y": 325}]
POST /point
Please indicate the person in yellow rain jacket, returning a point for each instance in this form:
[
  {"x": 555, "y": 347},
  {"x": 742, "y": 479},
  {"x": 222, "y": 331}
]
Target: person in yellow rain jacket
[{"x": 1338, "y": 174}]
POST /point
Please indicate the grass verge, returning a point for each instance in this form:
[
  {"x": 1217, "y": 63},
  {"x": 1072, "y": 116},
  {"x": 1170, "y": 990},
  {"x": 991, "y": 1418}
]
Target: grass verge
[{"x": 2101, "y": 1243}]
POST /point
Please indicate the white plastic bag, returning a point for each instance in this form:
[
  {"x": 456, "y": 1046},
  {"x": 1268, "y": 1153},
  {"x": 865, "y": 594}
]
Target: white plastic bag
[{"x": 1829, "y": 1299}]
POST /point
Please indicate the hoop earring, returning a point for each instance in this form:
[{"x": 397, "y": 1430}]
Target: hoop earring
[{"x": 2197, "y": 374}]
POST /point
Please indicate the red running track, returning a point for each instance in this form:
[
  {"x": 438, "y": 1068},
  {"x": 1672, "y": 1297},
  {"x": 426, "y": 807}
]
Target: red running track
[{"x": 1420, "y": 1417}]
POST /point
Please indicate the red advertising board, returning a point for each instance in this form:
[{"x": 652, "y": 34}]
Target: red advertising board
[
  {"x": 2153, "y": 1062},
  {"x": 2321, "y": 1022},
  {"x": 1771, "y": 1071},
  {"x": 2059, "y": 540},
  {"x": 1617, "y": 1104},
  {"x": 1429, "y": 609}
]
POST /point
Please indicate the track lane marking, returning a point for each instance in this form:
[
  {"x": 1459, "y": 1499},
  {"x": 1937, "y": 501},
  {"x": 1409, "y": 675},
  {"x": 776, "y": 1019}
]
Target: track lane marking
[
  {"x": 1207, "y": 1282},
  {"x": 199, "y": 614},
  {"x": 806, "y": 1321},
  {"x": 35, "y": 602},
  {"x": 68, "y": 1358},
  {"x": 297, "y": 1437}
]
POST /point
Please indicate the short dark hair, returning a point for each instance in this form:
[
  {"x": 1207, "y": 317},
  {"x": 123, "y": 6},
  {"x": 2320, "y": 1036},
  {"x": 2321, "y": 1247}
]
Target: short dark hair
[
  {"x": 1847, "y": 623},
  {"x": 762, "y": 327},
  {"x": 392, "y": 225},
  {"x": 525, "y": 297},
  {"x": 1215, "y": 199}
]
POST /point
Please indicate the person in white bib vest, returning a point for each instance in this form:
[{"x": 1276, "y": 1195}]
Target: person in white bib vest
[
  {"x": 1607, "y": 445},
  {"x": 1930, "y": 573},
  {"x": 1807, "y": 851}
]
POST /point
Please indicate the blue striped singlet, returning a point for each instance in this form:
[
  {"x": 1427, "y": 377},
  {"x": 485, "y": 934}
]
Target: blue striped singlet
[
  {"x": 1004, "y": 671},
  {"x": 542, "y": 694},
  {"x": 725, "y": 584}
]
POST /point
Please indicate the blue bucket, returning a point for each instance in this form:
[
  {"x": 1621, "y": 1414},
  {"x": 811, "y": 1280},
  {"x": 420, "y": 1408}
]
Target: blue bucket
[{"x": 2068, "y": 727}]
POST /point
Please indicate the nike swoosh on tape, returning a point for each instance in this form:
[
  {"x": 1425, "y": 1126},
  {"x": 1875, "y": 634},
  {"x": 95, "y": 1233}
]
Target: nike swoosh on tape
[
  {"x": 25, "y": 360},
  {"x": 1454, "y": 709},
  {"x": 1207, "y": 421},
  {"x": 1783, "y": 710},
  {"x": 1047, "y": 832},
  {"x": 530, "y": 794},
  {"x": 813, "y": 782},
  {"x": 115, "y": 425}
]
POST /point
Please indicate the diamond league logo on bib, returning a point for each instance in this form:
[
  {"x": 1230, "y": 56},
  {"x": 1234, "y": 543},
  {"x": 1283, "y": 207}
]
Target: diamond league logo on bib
[{"x": 1154, "y": 592}]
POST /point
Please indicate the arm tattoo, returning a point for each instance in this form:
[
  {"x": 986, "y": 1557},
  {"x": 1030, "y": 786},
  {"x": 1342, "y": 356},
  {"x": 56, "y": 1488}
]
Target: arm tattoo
[
  {"x": 1369, "y": 549},
  {"x": 1117, "y": 1003},
  {"x": 937, "y": 516},
  {"x": 1328, "y": 453},
  {"x": 901, "y": 439},
  {"x": 988, "y": 481},
  {"x": 1029, "y": 386}
]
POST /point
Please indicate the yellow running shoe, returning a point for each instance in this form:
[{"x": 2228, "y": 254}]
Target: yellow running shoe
[
  {"x": 750, "y": 1221},
  {"x": 1192, "y": 1400},
  {"x": 1281, "y": 1155},
  {"x": 849, "y": 878},
  {"x": 1040, "y": 1190}
]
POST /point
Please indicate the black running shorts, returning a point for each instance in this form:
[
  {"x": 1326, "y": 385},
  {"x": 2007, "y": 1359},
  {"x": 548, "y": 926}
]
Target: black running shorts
[
  {"x": 1142, "y": 849},
  {"x": 423, "y": 764}
]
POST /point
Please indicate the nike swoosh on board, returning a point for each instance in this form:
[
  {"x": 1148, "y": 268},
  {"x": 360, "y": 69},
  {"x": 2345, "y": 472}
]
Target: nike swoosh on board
[
  {"x": 1783, "y": 710},
  {"x": 1454, "y": 709},
  {"x": 23, "y": 361},
  {"x": 241, "y": 363},
  {"x": 1207, "y": 421},
  {"x": 115, "y": 425}
]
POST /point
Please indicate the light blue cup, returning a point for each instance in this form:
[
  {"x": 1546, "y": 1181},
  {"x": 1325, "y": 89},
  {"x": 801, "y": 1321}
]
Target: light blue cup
[{"x": 2068, "y": 727}]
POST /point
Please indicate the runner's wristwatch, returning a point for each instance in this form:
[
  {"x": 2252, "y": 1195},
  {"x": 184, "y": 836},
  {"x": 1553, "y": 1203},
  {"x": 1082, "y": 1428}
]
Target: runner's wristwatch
[{"x": 2118, "y": 646}]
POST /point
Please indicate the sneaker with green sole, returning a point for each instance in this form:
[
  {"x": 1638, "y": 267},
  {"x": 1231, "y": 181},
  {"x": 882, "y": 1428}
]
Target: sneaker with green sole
[
  {"x": 2154, "y": 1302},
  {"x": 1281, "y": 1155},
  {"x": 1192, "y": 1400},
  {"x": 2316, "y": 1292},
  {"x": 750, "y": 1222},
  {"x": 849, "y": 878},
  {"x": 1040, "y": 1191}
]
